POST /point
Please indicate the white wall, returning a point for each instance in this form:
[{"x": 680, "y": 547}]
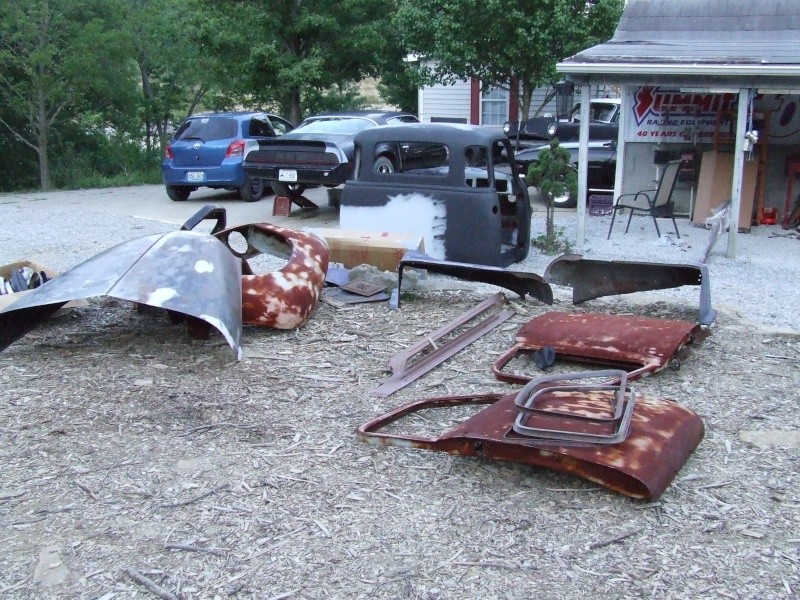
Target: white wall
[
  {"x": 453, "y": 101},
  {"x": 445, "y": 101}
]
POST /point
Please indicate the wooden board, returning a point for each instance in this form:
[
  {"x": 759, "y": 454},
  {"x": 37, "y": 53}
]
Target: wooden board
[{"x": 714, "y": 186}]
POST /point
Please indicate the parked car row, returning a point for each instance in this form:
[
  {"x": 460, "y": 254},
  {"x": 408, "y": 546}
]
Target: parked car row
[
  {"x": 532, "y": 136},
  {"x": 318, "y": 152},
  {"x": 251, "y": 152}
]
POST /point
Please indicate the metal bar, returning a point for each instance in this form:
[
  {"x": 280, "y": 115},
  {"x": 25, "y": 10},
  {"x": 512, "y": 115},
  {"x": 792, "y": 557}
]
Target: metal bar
[
  {"x": 583, "y": 168},
  {"x": 439, "y": 355},
  {"x": 738, "y": 170}
]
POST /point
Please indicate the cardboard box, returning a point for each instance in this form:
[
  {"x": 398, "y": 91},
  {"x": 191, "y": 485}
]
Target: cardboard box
[
  {"x": 381, "y": 249},
  {"x": 5, "y": 272}
]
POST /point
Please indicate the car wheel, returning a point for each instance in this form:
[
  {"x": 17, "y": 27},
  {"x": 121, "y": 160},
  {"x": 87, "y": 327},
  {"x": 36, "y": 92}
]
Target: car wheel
[
  {"x": 383, "y": 164},
  {"x": 252, "y": 189},
  {"x": 178, "y": 193},
  {"x": 288, "y": 189},
  {"x": 565, "y": 201}
]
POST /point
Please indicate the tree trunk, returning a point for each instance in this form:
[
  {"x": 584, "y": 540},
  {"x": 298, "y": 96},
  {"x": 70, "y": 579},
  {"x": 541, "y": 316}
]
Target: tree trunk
[
  {"x": 147, "y": 92},
  {"x": 525, "y": 100},
  {"x": 42, "y": 128},
  {"x": 295, "y": 116}
]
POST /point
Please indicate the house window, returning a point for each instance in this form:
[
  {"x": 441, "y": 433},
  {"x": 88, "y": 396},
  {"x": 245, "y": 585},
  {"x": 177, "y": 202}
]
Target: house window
[{"x": 494, "y": 106}]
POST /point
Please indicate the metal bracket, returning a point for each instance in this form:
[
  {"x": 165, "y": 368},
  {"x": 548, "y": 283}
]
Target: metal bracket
[
  {"x": 556, "y": 413},
  {"x": 209, "y": 211}
]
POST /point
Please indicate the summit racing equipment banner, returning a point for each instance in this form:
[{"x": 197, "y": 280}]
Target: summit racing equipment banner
[{"x": 668, "y": 115}]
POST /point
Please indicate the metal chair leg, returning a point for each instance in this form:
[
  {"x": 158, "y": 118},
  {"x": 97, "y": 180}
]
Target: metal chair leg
[
  {"x": 613, "y": 216},
  {"x": 675, "y": 224},
  {"x": 658, "y": 231},
  {"x": 629, "y": 221}
]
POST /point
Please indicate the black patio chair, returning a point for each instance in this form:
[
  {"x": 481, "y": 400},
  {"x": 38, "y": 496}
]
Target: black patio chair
[{"x": 656, "y": 203}]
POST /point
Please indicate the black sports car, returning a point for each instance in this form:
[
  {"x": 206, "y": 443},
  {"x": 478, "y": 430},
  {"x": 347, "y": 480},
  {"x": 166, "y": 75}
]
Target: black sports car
[
  {"x": 602, "y": 167},
  {"x": 318, "y": 152}
]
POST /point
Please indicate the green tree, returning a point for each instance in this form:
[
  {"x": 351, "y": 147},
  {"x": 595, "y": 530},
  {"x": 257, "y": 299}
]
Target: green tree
[
  {"x": 553, "y": 175},
  {"x": 397, "y": 85},
  {"x": 289, "y": 50},
  {"x": 176, "y": 71},
  {"x": 59, "y": 58},
  {"x": 511, "y": 44}
]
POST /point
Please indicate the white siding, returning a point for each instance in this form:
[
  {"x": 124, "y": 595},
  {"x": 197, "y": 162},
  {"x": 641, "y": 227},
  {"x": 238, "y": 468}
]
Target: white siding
[
  {"x": 539, "y": 94},
  {"x": 452, "y": 102},
  {"x": 445, "y": 102},
  {"x": 537, "y": 100}
]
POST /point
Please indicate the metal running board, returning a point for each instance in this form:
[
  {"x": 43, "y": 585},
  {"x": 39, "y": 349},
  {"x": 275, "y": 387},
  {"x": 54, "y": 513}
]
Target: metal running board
[{"x": 403, "y": 374}]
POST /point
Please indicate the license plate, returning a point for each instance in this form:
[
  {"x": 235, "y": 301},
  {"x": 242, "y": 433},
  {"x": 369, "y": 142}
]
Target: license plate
[
  {"x": 195, "y": 176},
  {"x": 287, "y": 175}
]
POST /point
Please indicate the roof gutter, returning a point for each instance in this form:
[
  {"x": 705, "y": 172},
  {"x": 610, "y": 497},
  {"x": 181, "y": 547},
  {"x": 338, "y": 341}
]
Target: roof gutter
[{"x": 616, "y": 68}]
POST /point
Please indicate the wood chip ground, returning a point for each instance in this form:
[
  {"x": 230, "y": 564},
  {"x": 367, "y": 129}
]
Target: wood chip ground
[{"x": 139, "y": 463}]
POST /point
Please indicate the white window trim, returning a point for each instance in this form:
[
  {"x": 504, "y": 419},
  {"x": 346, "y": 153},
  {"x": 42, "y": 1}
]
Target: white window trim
[{"x": 506, "y": 105}]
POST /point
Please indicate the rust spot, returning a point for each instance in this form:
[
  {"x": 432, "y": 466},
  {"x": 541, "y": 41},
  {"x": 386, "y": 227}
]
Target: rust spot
[
  {"x": 641, "y": 345},
  {"x": 283, "y": 299},
  {"x": 662, "y": 437}
]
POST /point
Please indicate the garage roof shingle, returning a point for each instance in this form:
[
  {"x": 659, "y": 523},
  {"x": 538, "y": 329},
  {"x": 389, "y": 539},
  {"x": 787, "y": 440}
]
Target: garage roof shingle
[{"x": 714, "y": 37}]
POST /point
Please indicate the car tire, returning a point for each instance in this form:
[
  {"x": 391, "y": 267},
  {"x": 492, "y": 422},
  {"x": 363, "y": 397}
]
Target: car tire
[
  {"x": 565, "y": 201},
  {"x": 252, "y": 190},
  {"x": 383, "y": 164},
  {"x": 178, "y": 193},
  {"x": 288, "y": 189}
]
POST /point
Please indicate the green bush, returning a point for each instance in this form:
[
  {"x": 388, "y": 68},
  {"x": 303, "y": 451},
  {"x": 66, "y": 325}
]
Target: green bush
[{"x": 102, "y": 160}]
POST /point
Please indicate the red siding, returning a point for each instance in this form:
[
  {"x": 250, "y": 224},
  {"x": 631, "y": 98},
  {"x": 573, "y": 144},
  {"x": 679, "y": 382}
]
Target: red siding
[{"x": 475, "y": 102}]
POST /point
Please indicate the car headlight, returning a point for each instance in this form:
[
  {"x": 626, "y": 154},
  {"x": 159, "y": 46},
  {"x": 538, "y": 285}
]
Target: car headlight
[
  {"x": 506, "y": 127},
  {"x": 551, "y": 129}
]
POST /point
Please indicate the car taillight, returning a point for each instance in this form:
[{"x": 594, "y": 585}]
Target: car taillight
[
  {"x": 168, "y": 152},
  {"x": 235, "y": 149}
]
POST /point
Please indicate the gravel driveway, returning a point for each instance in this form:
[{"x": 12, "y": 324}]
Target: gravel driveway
[{"x": 141, "y": 463}]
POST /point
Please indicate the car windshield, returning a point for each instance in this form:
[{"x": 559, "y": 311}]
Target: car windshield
[
  {"x": 402, "y": 119},
  {"x": 345, "y": 126},
  {"x": 208, "y": 129},
  {"x": 598, "y": 111}
]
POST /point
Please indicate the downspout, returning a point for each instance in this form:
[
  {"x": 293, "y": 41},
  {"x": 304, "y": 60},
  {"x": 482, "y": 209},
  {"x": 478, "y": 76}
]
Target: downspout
[
  {"x": 738, "y": 171},
  {"x": 583, "y": 168}
]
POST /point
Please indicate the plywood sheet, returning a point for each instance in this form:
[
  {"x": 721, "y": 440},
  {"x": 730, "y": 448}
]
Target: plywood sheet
[{"x": 714, "y": 186}]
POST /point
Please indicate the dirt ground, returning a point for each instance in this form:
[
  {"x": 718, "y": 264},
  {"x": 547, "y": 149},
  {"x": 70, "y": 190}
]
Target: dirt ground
[{"x": 140, "y": 463}]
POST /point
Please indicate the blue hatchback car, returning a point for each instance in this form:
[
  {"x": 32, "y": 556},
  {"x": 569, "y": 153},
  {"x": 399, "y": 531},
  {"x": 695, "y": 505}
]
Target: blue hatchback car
[{"x": 208, "y": 150}]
